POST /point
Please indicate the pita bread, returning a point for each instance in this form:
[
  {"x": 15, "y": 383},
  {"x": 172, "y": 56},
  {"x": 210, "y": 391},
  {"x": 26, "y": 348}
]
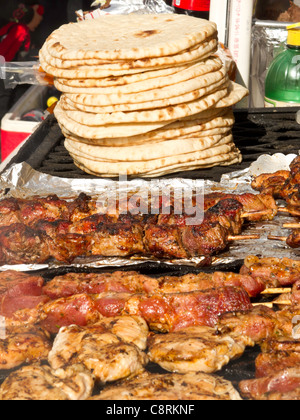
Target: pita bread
[
  {"x": 68, "y": 105},
  {"x": 207, "y": 47},
  {"x": 156, "y": 81},
  {"x": 142, "y": 95},
  {"x": 232, "y": 159},
  {"x": 122, "y": 80},
  {"x": 210, "y": 123},
  {"x": 214, "y": 156},
  {"x": 202, "y": 84},
  {"x": 129, "y": 37},
  {"x": 126, "y": 141},
  {"x": 166, "y": 114},
  {"x": 147, "y": 151},
  {"x": 105, "y": 131}
]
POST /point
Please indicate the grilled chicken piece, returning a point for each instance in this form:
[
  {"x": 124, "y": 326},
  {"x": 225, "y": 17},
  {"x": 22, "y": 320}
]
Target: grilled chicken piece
[
  {"x": 258, "y": 323},
  {"x": 16, "y": 283},
  {"x": 283, "y": 385},
  {"x": 94, "y": 283},
  {"x": 51, "y": 208},
  {"x": 20, "y": 244},
  {"x": 171, "y": 387},
  {"x": 40, "y": 383},
  {"x": 111, "y": 349},
  {"x": 27, "y": 211},
  {"x": 20, "y": 345},
  {"x": 20, "y": 296},
  {"x": 195, "y": 349}
]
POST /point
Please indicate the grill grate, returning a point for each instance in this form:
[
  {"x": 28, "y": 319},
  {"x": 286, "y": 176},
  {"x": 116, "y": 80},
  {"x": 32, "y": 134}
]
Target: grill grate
[{"x": 256, "y": 132}]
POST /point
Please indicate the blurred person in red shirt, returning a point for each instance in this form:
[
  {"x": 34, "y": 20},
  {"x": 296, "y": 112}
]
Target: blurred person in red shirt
[{"x": 16, "y": 35}]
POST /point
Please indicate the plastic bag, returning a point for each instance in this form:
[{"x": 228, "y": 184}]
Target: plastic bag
[
  {"x": 27, "y": 72},
  {"x": 125, "y": 7}
]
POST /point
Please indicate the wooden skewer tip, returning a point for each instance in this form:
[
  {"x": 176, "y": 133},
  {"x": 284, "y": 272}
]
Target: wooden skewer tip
[{"x": 243, "y": 237}]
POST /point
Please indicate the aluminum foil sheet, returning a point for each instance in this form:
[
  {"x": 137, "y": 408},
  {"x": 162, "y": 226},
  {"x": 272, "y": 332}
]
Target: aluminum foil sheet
[
  {"x": 21, "y": 181},
  {"x": 268, "y": 40}
]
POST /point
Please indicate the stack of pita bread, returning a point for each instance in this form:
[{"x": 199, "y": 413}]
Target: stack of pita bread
[{"x": 143, "y": 95}]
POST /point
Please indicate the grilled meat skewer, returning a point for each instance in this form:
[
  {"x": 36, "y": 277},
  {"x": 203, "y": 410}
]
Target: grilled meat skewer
[
  {"x": 133, "y": 235},
  {"x": 274, "y": 272},
  {"x": 51, "y": 208},
  {"x": 133, "y": 282},
  {"x": 282, "y": 184},
  {"x": 162, "y": 312}
]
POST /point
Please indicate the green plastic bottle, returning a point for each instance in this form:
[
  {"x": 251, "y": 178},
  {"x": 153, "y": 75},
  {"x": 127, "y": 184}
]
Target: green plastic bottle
[{"x": 282, "y": 85}]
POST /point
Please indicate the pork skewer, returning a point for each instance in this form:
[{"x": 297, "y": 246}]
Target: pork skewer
[
  {"x": 274, "y": 272},
  {"x": 51, "y": 208},
  {"x": 131, "y": 235},
  {"x": 284, "y": 185}
]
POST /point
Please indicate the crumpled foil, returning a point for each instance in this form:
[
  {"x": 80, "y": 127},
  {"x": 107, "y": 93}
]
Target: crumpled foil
[
  {"x": 22, "y": 181},
  {"x": 268, "y": 40},
  {"x": 125, "y": 7}
]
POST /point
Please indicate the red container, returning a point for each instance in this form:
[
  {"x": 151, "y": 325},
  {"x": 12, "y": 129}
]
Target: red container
[
  {"x": 13, "y": 130},
  {"x": 13, "y": 133}
]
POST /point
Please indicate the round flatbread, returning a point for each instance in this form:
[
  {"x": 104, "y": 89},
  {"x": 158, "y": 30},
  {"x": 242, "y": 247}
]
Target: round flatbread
[
  {"x": 162, "y": 79},
  {"x": 129, "y": 37},
  {"x": 198, "y": 52},
  {"x": 105, "y": 169},
  {"x": 201, "y": 84},
  {"x": 147, "y": 151},
  {"x": 166, "y": 114}
]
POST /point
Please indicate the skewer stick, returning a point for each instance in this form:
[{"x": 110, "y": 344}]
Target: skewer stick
[
  {"x": 278, "y": 238},
  {"x": 249, "y": 214},
  {"x": 267, "y": 304},
  {"x": 283, "y": 210},
  {"x": 243, "y": 237},
  {"x": 276, "y": 291},
  {"x": 291, "y": 225},
  {"x": 292, "y": 211},
  {"x": 282, "y": 300}
]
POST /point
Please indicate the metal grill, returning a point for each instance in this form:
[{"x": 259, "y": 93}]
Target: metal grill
[{"x": 256, "y": 132}]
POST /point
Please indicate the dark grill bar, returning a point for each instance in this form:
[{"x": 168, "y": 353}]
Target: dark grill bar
[{"x": 256, "y": 132}]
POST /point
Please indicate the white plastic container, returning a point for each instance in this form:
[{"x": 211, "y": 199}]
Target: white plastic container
[
  {"x": 13, "y": 130},
  {"x": 240, "y": 32}
]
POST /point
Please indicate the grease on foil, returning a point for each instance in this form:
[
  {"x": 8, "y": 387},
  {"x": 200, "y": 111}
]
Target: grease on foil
[{"x": 22, "y": 181}]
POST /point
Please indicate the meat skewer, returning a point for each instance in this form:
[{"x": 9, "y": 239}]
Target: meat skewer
[
  {"x": 132, "y": 235},
  {"x": 284, "y": 185},
  {"x": 274, "y": 272},
  {"x": 162, "y": 312},
  {"x": 133, "y": 282},
  {"x": 51, "y": 208}
]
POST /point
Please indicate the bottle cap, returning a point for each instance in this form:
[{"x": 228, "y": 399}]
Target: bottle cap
[
  {"x": 294, "y": 34},
  {"x": 51, "y": 101}
]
